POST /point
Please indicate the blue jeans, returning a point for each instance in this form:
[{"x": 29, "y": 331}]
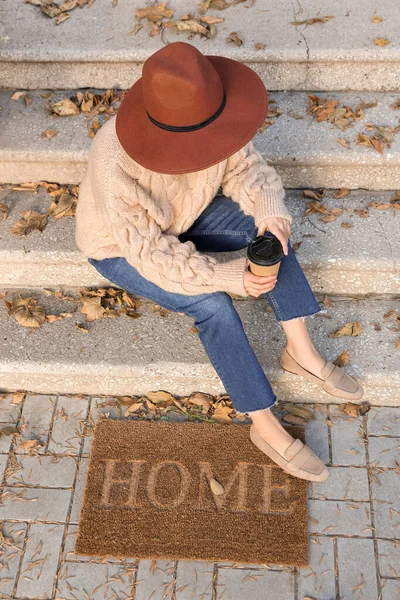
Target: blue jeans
[{"x": 223, "y": 227}]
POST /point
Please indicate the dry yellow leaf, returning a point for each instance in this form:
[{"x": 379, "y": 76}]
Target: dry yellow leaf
[
  {"x": 31, "y": 220},
  {"x": 4, "y": 210},
  {"x": 18, "y": 397},
  {"x": 377, "y": 19},
  {"x": 65, "y": 108},
  {"x": 92, "y": 308},
  {"x": 343, "y": 142},
  {"x": 160, "y": 397},
  {"x": 381, "y": 42},
  {"x": 341, "y": 193},
  {"x": 222, "y": 414},
  {"x": 216, "y": 487},
  {"x": 342, "y": 359}
]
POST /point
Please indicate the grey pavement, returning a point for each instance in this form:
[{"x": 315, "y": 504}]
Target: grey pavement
[
  {"x": 304, "y": 152},
  {"x": 128, "y": 356},
  {"x": 367, "y": 259},
  {"x": 354, "y": 520}
]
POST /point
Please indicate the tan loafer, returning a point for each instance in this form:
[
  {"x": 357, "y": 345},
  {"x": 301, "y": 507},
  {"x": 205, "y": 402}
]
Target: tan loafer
[
  {"x": 335, "y": 381},
  {"x": 299, "y": 460}
]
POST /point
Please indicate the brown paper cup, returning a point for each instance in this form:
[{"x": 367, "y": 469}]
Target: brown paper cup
[{"x": 264, "y": 271}]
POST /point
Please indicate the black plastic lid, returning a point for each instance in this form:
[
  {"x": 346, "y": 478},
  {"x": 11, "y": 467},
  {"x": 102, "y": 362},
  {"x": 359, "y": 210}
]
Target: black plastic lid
[{"x": 265, "y": 250}]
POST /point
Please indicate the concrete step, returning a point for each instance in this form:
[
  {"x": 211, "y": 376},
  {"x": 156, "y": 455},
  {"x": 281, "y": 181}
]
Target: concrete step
[
  {"x": 94, "y": 47},
  {"x": 305, "y": 152},
  {"x": 124, "y": 356},
  {"x": 362, "y": 259}
]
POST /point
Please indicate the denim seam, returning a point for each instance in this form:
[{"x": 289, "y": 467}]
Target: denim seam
[{"x": 275, "y": 305}]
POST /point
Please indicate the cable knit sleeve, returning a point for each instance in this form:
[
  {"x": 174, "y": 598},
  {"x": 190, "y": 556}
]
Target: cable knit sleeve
[
  {"x": 254, "y": 185},
  {"x": 161, "y": 258}
]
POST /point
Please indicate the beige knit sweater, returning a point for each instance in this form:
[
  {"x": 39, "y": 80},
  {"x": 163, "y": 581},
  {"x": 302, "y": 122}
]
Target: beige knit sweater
[{"x": 126, "y": 210}]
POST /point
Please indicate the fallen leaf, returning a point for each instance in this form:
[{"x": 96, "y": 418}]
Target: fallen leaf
[
  {"x": 313, "y": 20},
  {"x": 65, "y": 108},
  {"x": 160, "y": 397},
  {"x": 342, "y": 359},
  {"x": 8, "y": 430},
  {"x": 341, "y": 193},
  {"x": 377, "y": 19},
  {"x": 350, "y": 328},
  {"x": 4, "y": 210},
  {"x": 92, "y": 308},
  {"x": 235, "y": 38},
  {"x": 31, "y": 220},
  {"x": 26, "y": 312},
  {"x": 18, "y": 397},
  {"x": 216, "y": 488},
  {"x": 381, "y": 42},
  {"x": 49, "y": 133}
]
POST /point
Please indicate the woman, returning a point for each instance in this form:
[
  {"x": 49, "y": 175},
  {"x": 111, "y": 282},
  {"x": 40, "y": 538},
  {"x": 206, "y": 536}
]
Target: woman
[{"x": 149, "y": 208}]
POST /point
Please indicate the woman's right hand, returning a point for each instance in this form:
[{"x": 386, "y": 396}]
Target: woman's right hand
[{"x": 256, "y": 285}]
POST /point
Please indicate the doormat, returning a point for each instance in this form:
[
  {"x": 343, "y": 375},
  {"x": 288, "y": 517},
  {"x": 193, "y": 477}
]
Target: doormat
[{"x": 190, "y": 490}]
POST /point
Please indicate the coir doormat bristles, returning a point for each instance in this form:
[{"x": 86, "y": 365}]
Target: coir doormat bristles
[{"x": 151, "y": 492}]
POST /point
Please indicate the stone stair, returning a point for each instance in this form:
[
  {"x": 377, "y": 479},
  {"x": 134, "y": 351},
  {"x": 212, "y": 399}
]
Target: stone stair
[{"x": 357, "y": 266}]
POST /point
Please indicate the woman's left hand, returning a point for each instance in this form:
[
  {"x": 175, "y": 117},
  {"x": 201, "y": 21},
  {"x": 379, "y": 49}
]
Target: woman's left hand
[{"x": 279, "y": 226}]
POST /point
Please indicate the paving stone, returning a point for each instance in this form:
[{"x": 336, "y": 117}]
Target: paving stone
[
  {"x": 383, "y": 451},
  {"x": 79, "y": 490},
  {"x": 357, "y": 566},
  {"x": 35, "y": 504},
  {"x": 70, "y": 556},
  {"x": 66, "y": 433},
  {"x": 384, "y": 421},
  {"x": 80, "y": 581},
  {"x": 347, "y": 445},
  {"x": 386, "y": 502},
  {"x": 3, "y": 464},
  {"x": 44, "y": 471},
  {"x": 40, "y": 562},
  {"x": 317, "y": 432},
  {"x": 14, "y": 534},
  {"x": 100, "y": 407},
  {"x": 344, "y": 483},
  {"x": 340, "y": 518},
  {"x": 155, "y": 579},
  {"x": 8, "y": 411},
  {"x": 237, "y": 584},
  {"x": 318, "y": 580},
  {"x": 194, "y": 580},
  {"x": 390, "y": 589},
  {"x": 36, "y": 415},
  {"x": 389, "y": 558},
  {"x": 5, "y": 440}
]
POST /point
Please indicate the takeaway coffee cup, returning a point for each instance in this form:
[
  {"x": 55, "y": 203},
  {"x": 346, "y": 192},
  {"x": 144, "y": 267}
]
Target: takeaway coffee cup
[{"x": 265, "y": 253}]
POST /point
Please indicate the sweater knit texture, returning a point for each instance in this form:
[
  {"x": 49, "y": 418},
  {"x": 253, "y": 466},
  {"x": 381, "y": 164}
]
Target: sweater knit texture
[{"x": 128, "y": 211}]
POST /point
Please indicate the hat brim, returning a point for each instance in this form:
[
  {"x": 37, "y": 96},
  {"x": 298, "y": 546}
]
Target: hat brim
[{"x": 185, "y": 152}]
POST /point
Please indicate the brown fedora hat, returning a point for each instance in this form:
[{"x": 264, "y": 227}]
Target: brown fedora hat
[{"x": 189, "y": 111}]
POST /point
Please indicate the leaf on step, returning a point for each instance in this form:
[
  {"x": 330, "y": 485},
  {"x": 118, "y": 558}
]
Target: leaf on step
[
  {"x": 49, "y": 133},
  {"x": 313, "y": 20},
  {"x": 92, "y": 308},
  {"x": 342, "y": 359},
  {"x": 346, "y": 225},
  {"x": 154, "y": 13},
  {"x": 350, "y": 328},
  {"x": 31, "y": 220},
  {"x": 235, "y": 38},
  {"x": 327, "y": 301},
  {"x": 377, "y": 19},
  {"x": 65, "y": 206},
  {"x": 81, "y": 328},
  {"x": 381, "y": 42},
  {"x": 65, "y": 108},
  {"x": 300, "y": 411},
  {"x": 18, "y": 397},
  {"x": 294, "y": 420},
  {"x": 341, "y": 193},
  {"x": 4, "y": 210},
  {"x": 26, "y": 312},
  {"x": 8, "y": 430},
  {"x": 200, "y": 399},
  {"x": 132, "y": 408},
  {"x": 160, "y": 397},
  {"x": 397, "y": 342},
  {"x": 315, "y": 194},
  {"x": 354, "y": 410},
  {"x": 343, "y": 142},
  {"x": 222, "y": 414}
]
